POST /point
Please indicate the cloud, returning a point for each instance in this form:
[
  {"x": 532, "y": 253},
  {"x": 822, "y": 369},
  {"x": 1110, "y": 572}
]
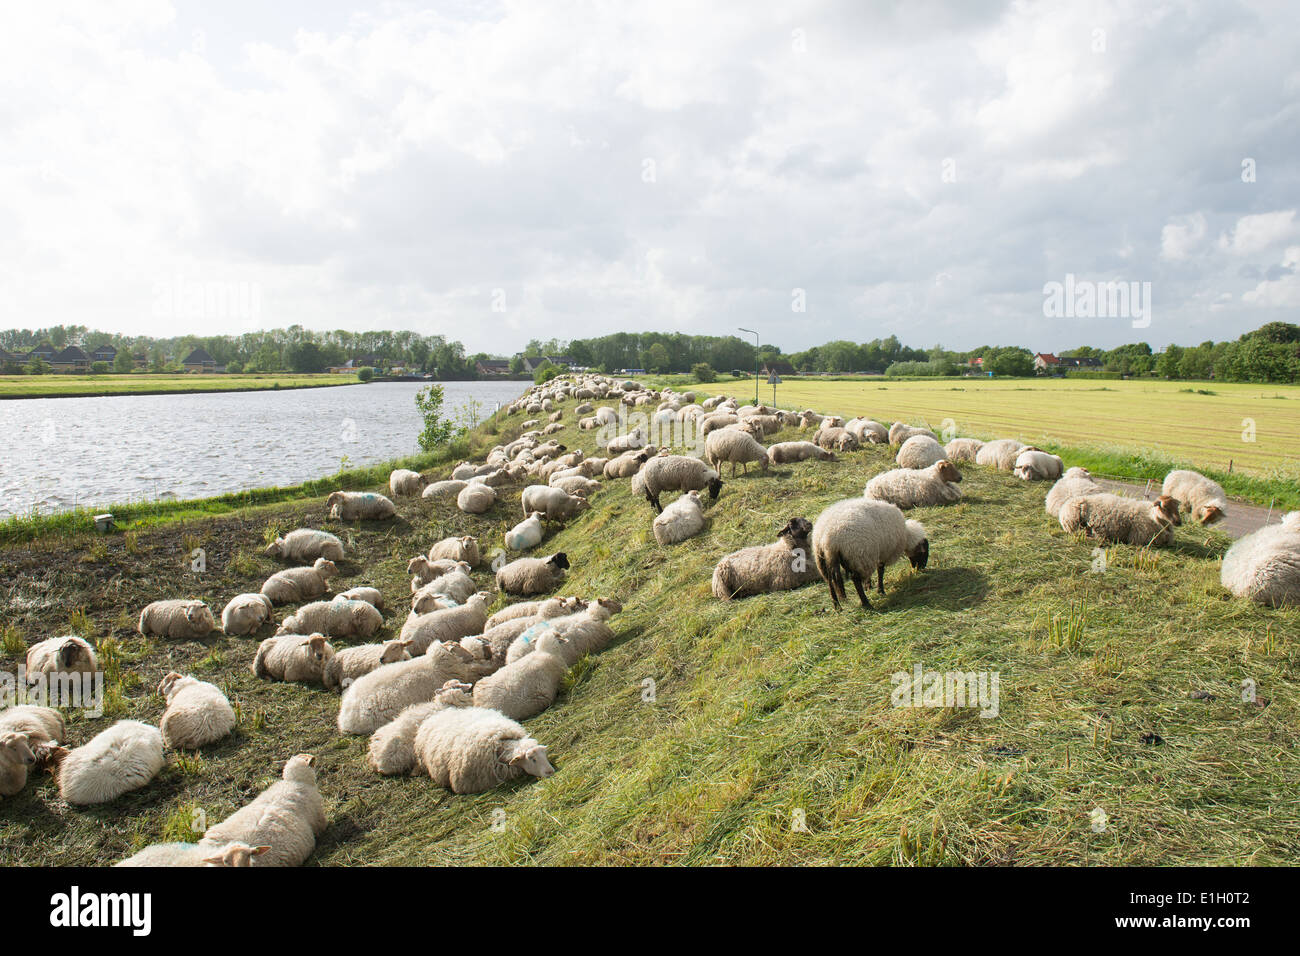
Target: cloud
[
  {"x": 1178, "y": 240},
  {"x": 1259, "y": 232}
]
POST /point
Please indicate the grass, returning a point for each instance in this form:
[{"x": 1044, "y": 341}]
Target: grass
[
  {"x": 751, "y": 732},
  {"x": 78, "y": 386}
]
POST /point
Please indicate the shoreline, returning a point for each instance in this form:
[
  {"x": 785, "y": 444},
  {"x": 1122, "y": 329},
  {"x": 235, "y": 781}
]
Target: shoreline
[{"x": 128, "y": 393}]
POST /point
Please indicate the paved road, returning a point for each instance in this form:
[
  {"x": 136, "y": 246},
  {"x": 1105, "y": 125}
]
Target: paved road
[{"x": 1241, "y": 519}]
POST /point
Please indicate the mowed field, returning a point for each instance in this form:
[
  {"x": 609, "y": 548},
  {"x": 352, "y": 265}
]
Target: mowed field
[
  {"x": 1173, "y": 418},
  {"x": 54, "y": 386}
]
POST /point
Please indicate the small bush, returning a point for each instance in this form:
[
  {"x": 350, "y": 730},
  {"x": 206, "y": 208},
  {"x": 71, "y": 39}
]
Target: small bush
[{"x": 703, "y": 372}]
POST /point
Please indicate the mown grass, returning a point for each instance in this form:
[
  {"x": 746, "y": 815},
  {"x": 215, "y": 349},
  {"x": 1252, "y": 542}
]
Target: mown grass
[
  {"x": 70, "y": 386},
  {"x": 759, "y": 731}
]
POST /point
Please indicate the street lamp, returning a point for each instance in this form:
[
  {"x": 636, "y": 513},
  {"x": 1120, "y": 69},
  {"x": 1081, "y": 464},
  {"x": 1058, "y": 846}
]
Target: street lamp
[{"x": 755, "y": 335}]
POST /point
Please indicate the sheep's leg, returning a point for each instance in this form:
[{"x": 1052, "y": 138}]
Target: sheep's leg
[
  {"x": 862, "y": 595},
  {"x": 880, "y": 575}
]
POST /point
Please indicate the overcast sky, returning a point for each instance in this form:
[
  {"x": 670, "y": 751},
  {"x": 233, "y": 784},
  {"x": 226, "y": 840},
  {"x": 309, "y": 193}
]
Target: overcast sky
[{"x": 495, "y": 172}]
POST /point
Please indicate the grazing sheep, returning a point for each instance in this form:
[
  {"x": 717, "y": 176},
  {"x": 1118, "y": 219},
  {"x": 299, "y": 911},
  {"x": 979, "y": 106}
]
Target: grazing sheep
[
  {"x": 122, "y": 758},
  {"x": 919, "y": 451},
  {"x": 917, "y": 488},
  {"x": 61, "y": 655},
  {"x": 577, "y": 485},
  {"x": 1000, "y": 454},
  {"x": 529, "y": 685},
  {"x": 287, "y": 816},
  {"x": 297, "y": 658},
  {"x": 674, "y": 473},
  {"x": 446, "y": 624},
  {"x": 179, "y": 620},
  {"x": 300, "y": 584},
  {"x": 392, "y": 746},
  {"x": 781, "y": 566},
  {"x": 1264, "y": 566},
  {"x": 475, "y": 499},
  {"x": 42, "y": 726},
  {"x": 352, "y": 663},
  {"x": 529, "y": 576},
  {"x": 1075, "y": 483},
  {"x": 586, "y": 631},
  {"x": 306, "y": 544},
  {"x": 627, "y": 465},
  {"x": 193, "y": 854},
  {"x": 443, "y": 489},
  {"x": 788, "y": 451},
  {"x": 378, "y": 697},
  {"x": 17, "y": 757},
  {"x": 197, "y": 713},
  {"x": 863, "y": 536},
  {"x": 527, "y": 534},
  {"x": 245, "y": 613},
  {"x": 735, "y": 446},
  {"x": 682, "y": 519},
  {"x": 370, "y": 595},
  {"x": 472, "y": 749},
  {"x": 1204, "y": 499},
  {"x": 405, "y": 482},
  {"x": 1034, "y": 465},
  {"x": 555, "y": 504},
  {"x": 457, "y": 549},
  {"x": 900, "y": 432},
  {"x": 337, "y": 618},
  {"x": 360, "y": 506},
  {"x": 1122, "y": 520},
  {"x": 835, "y": 437},
  {"x": 454, "y": 587},
  {"x": 962, "y": 449}
]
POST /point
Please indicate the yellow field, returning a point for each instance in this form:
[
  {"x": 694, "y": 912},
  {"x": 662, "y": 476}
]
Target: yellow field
[{"x": 1206, "y": 429}]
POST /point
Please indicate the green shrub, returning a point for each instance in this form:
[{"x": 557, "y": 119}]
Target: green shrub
[
  {"x": 365, "y": 373},
  {"x": 703, "y": 372}
]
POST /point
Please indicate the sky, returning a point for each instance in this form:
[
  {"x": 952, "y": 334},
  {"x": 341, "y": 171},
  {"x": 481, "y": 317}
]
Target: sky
[{"x": 498, "y": 172}]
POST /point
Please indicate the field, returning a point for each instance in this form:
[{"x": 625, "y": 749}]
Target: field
[
  {"x": 750, "y": 732},
  {"x": 68, "y": 386}
]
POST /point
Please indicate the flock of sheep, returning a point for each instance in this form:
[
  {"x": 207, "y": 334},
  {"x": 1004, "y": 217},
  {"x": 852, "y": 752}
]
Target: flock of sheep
[{"x": 446, "y": 697}]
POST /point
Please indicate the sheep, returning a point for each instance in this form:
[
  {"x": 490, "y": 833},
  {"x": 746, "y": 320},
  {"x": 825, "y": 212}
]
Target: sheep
[
  {"x": 192, "y": 854},
  {"x": 529, "y": 576},
  {"x": 125, "y": 757},
  {"x": 297, "y": 658},
  {"x": 287, "y": 816},
  {"x": 403, "y": 481},
  {"x": 392, "y": 746},
  {"x": 475, "y": 499},
  {"x": 1264, "y": 566},
  {"x": 627, "y": 465},
  {"x": 1000, "y": 454},
  {"x": 362, "y": 593},
  {"x": 867, "y": 431},
  {"x": 43, "y": 726},
  {"x": 179, "y": 620},
  {"x": 917, "y": 487},
  {"x": 360, "y": 506},
  {"x": 585, "y": 631},
  {"x": 17, "y": 757},
  {"x": 576, "y": 485},
  {"x": 197, "y": 713},
  {"x": 555, "y": 504},
  {"x": 781, "y": 566},
  {"x": 472, "y": 749},
  {"x": 682, "y": 519},
  {"x": 862, "y": 536},
  {"x": 306, "y": 544},
  {"x": 337, "y": 618},
  {"x": 629, "y": 442},
  {"x": 1075, "y": 483},
  {"x": 1034, "y": 465},
  {"x": 962, "y": 449},
  {"x": 900, "y": 432},
  {"x": 446, "y": 590},
  {"x": 374, "y": 699},
  {"x": 835, "y": 437},
  {"x": 353, "y": 662},
  {"x": 457, "y": 549},
  {"x": 422, "y": 570},
  {"x": 1197, "y": 495},
  {"x": 61, "y": 655},
  {"x": 919, "y": 451},
  {"x": 1122, "y": 520},
  {"x": 733, "y": 445},
  {"x": 788, "y": 451},
  {"x": 711, "y": 423},
  {"x": 529, "y": 685},
  {"x": 675, "y": 473},
  {"x": 443, "y": 489},
  {"x": 527, "y": 534},
  {"x": 446, "y": 624},
  {"x": 245, "y": 613},
  {"x": 300, "y": 584}
]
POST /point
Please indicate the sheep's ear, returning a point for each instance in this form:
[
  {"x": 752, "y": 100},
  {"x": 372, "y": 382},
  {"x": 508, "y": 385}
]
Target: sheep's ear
[
  {"x": 259, "y": 850},
  {"x": 215, "y": 860}
]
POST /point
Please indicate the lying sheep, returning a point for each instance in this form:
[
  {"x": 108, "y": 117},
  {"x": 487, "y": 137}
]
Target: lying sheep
[
  {"x": 863, "y": 536},
  {"x": 1034, "y": 465},
  {"x": 529, "y": 576},
  {"x": 919, "y": 451},
  {"x": 835, "y": 437},
  {"x": 576, "y": 485},
  {"x": 300, "y": 584},
  {"x": 735, "y": 446},
  {"x": 867, "y": 431},
  {"x": 197, "y": 713},
  {"x": 360, "y": 506},
  {"x": 682, "y": 519},
  {"x": 378, "y": 697},
  {"x": 446, "y": 590},
  {"x": 287, "y": 816},
  {"x": 475, "y": 499},
  {"x": 781, "y": 566},
  {"x": 1264, "y": 566},
  {"x": 1075, "y": 483},
  {"x": 405, "y": 482},
  {"x": 352, "y": 663},
  {"x": 457, "y": 549},
  {"x": 297, "y": 658},
  {"x": 392, "y": 746},
  {"x": 61, "y": 655},
  {"x": 632, "y": 440},
  {"x": 585, "y": 630},
  {"x": 443, "y": 489},
  {"x": 1197, "y": 495},
  {"x": 555, "y": 504},
  {"x": 43, "y": 726},
  {"x": 788, "y": 451},
  {"x": 306, "y": 544},
  {"x": 625, "y": 466},
  {"x": 962, "y": 449},
  {"x": 362, "y": 593},
  {"x": 17, "y": 759},
  {"x": 1000, "y": 454},
  {"x": 529, "y": 685},
  {"x": 337, "y": 618},
  {"x": 471, "y": 749},
  {"x": 179, "y": 620},
  {"x": 900, "y": 432},
  {"x": 245, "y": 613},
  {"x": 193, "y": 854},
  {"x": 125, "y": 757},
  {"x": 675, "y": 473},
  {"x": 422, "y": 570},
  {"x": 917, "y": 488},
  {"x": 527, "y": 534},
  {"x": 1122, "y": 520},
  {"x": 446, "y": 624}
]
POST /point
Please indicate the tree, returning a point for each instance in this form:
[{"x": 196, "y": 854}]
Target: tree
[
  {"x": 38, "y": 366},
  {"x": 99, "y": 368},
  {"x": 703, "y": 372},
  {"x": 123, "y": 362},
  {"x": 365, "y": 373},
  {"x": 438, "y": 430},
  {"x": 545, "y": 372},
  {"x": 517, "y": 365}
]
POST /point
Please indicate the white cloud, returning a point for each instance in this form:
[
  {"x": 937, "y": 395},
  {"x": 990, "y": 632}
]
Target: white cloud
[
  {"x": 1256, "y": 233},
  {"x": 1181, "y": 238}
]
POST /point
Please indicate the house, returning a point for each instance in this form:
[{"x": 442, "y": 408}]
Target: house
[
  {"x": 71, "y": 360},
  {"x": 533, "y": 362},
  {"x": 490, "y": 368},
  {"x": 45, "y": 352},
  {"x": 1045, "y": 362},
  {"x": 199, "y": 361},
  {"x": 104, "y": 353},
  {"x": 11, "y": 359}
]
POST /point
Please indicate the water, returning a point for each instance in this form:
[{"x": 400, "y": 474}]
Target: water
[{"x": 60, "y": 453}]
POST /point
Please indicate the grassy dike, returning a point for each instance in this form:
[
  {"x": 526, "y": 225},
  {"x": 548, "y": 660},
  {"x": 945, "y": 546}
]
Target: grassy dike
[
  {"x": 759, "y": 731},
  {"x": 99, "y": 386}
]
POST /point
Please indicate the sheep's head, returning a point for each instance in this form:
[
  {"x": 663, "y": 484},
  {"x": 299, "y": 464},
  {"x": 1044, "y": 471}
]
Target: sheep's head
[
  {"x": 325, "y": 567},
  {"x": 275, "y": 548},
  {"x": 559, "y": 560},
  {"x": 1165, "y": 509},
  {"x": 550, "y": 642},
  {"x": 316, "y": 646},
  {"x": 714, "y": 486},
  {"x": 394, "y": 651},
  {"x": 169, "y": 683},
  {"x": 530, "y": 757},
  {"x": 918, "y": 545},
  {"x": 300, "y": 768},
  {"x": 608, "y": 606},
  {"x": 419, "y": 565},
  {"x": 72, "y": 653},
  {"x": 236, "y": 854},
  {"x": 796, "y": 531},
  {"x": 947, "y": 470},
  {"x": 198, "y": 615},
  {"x": 1209, "y": 514},
  {"x": 17, "y": 749},
  {"x": 336, "y": 498},
  {"x": 441, "y": 648}
]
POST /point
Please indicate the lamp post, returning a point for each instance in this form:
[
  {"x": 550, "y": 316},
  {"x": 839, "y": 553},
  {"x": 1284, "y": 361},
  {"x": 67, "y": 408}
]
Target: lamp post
[{"x": 755, "y": 335}]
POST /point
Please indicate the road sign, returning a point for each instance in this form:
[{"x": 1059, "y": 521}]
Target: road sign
[{"x": 774, "y": 379}]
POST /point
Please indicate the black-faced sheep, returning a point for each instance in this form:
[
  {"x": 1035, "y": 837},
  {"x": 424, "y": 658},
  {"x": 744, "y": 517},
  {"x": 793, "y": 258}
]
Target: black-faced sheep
[
  {"x": 529, "y": 576},
  {"x": 863, "y": 536},
  {"x": 675, "y": 473},
  {"x": 781, "y": 566}
]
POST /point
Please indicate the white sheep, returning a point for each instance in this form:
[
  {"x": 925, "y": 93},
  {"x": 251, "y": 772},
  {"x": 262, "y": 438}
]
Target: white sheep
[
  {"x": 351, "y": 663},
  {"x": 917, "y": 488},
  {"x": 863, "y": 536},
  {"x": 287, "y": 816},
  {"x": 454, "y": 587},
  {"x": 1034, "y": 465},
  {"x": 422, "y": 570},
  {"x": 781, "y": 566},
  {"x": 306, "y": 544},
  {"x": 62, "y": 655},
  {"x": 682, "y": 519},
  {"x": 867, "y": 431},
  {"x": 900, "y": 432},
  {"x": 1197, "y": 495},
  {"x": 17, "y": 759},
  {"x": 297, "y": 658},
  {"x": 1075, "y": 483},
  {"x": 919, "y": 451},
  {"x": 1000, "y": 454},
  {"x": 125, "y": 757},
  {"x": 378, "y": 697},
  {"x": 245, "y": 613},
  {"x": 446, "y": 624},
  {"x": 472, "y": 749},
  {"x": 43, "y": 726},
  {"x": 527, "y": 534},
  {"x": 529, "y": 685},
  {"x": 392, "y": 746},
  {"x": 675, "y": 473},
  {"x": 788, "y": 451},
  {"x": 300, "y": 584},
  {"x": 578, "y": 485},
  {"x": 585, "y": 631},
  {"x": 337, "y": 618},
  {"x": 962, "y": 449},
  {"x": 464, "y": 548},
  {"x": 529, "y": 576},
  {"x": 1264, "y": 566},
  {"x": 193, "y": 854},
  {"x": 444, "y": 489},
  {"x": 362, "y": 593},
  {"x": 735, "y": 446},
  {"x": 403, "y": 481},
  {"x": 475, "y": 499},
  {"x": 197, "y": 713},
  {"x": 835, "y": 437},
  {"x": 555, "y": 504},
  {"x": 360, "y": 506},
  {"x": 1122, "y": 520},
  {"x": 626, "y": 465},
  {"x": 179, "y": 619}
]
